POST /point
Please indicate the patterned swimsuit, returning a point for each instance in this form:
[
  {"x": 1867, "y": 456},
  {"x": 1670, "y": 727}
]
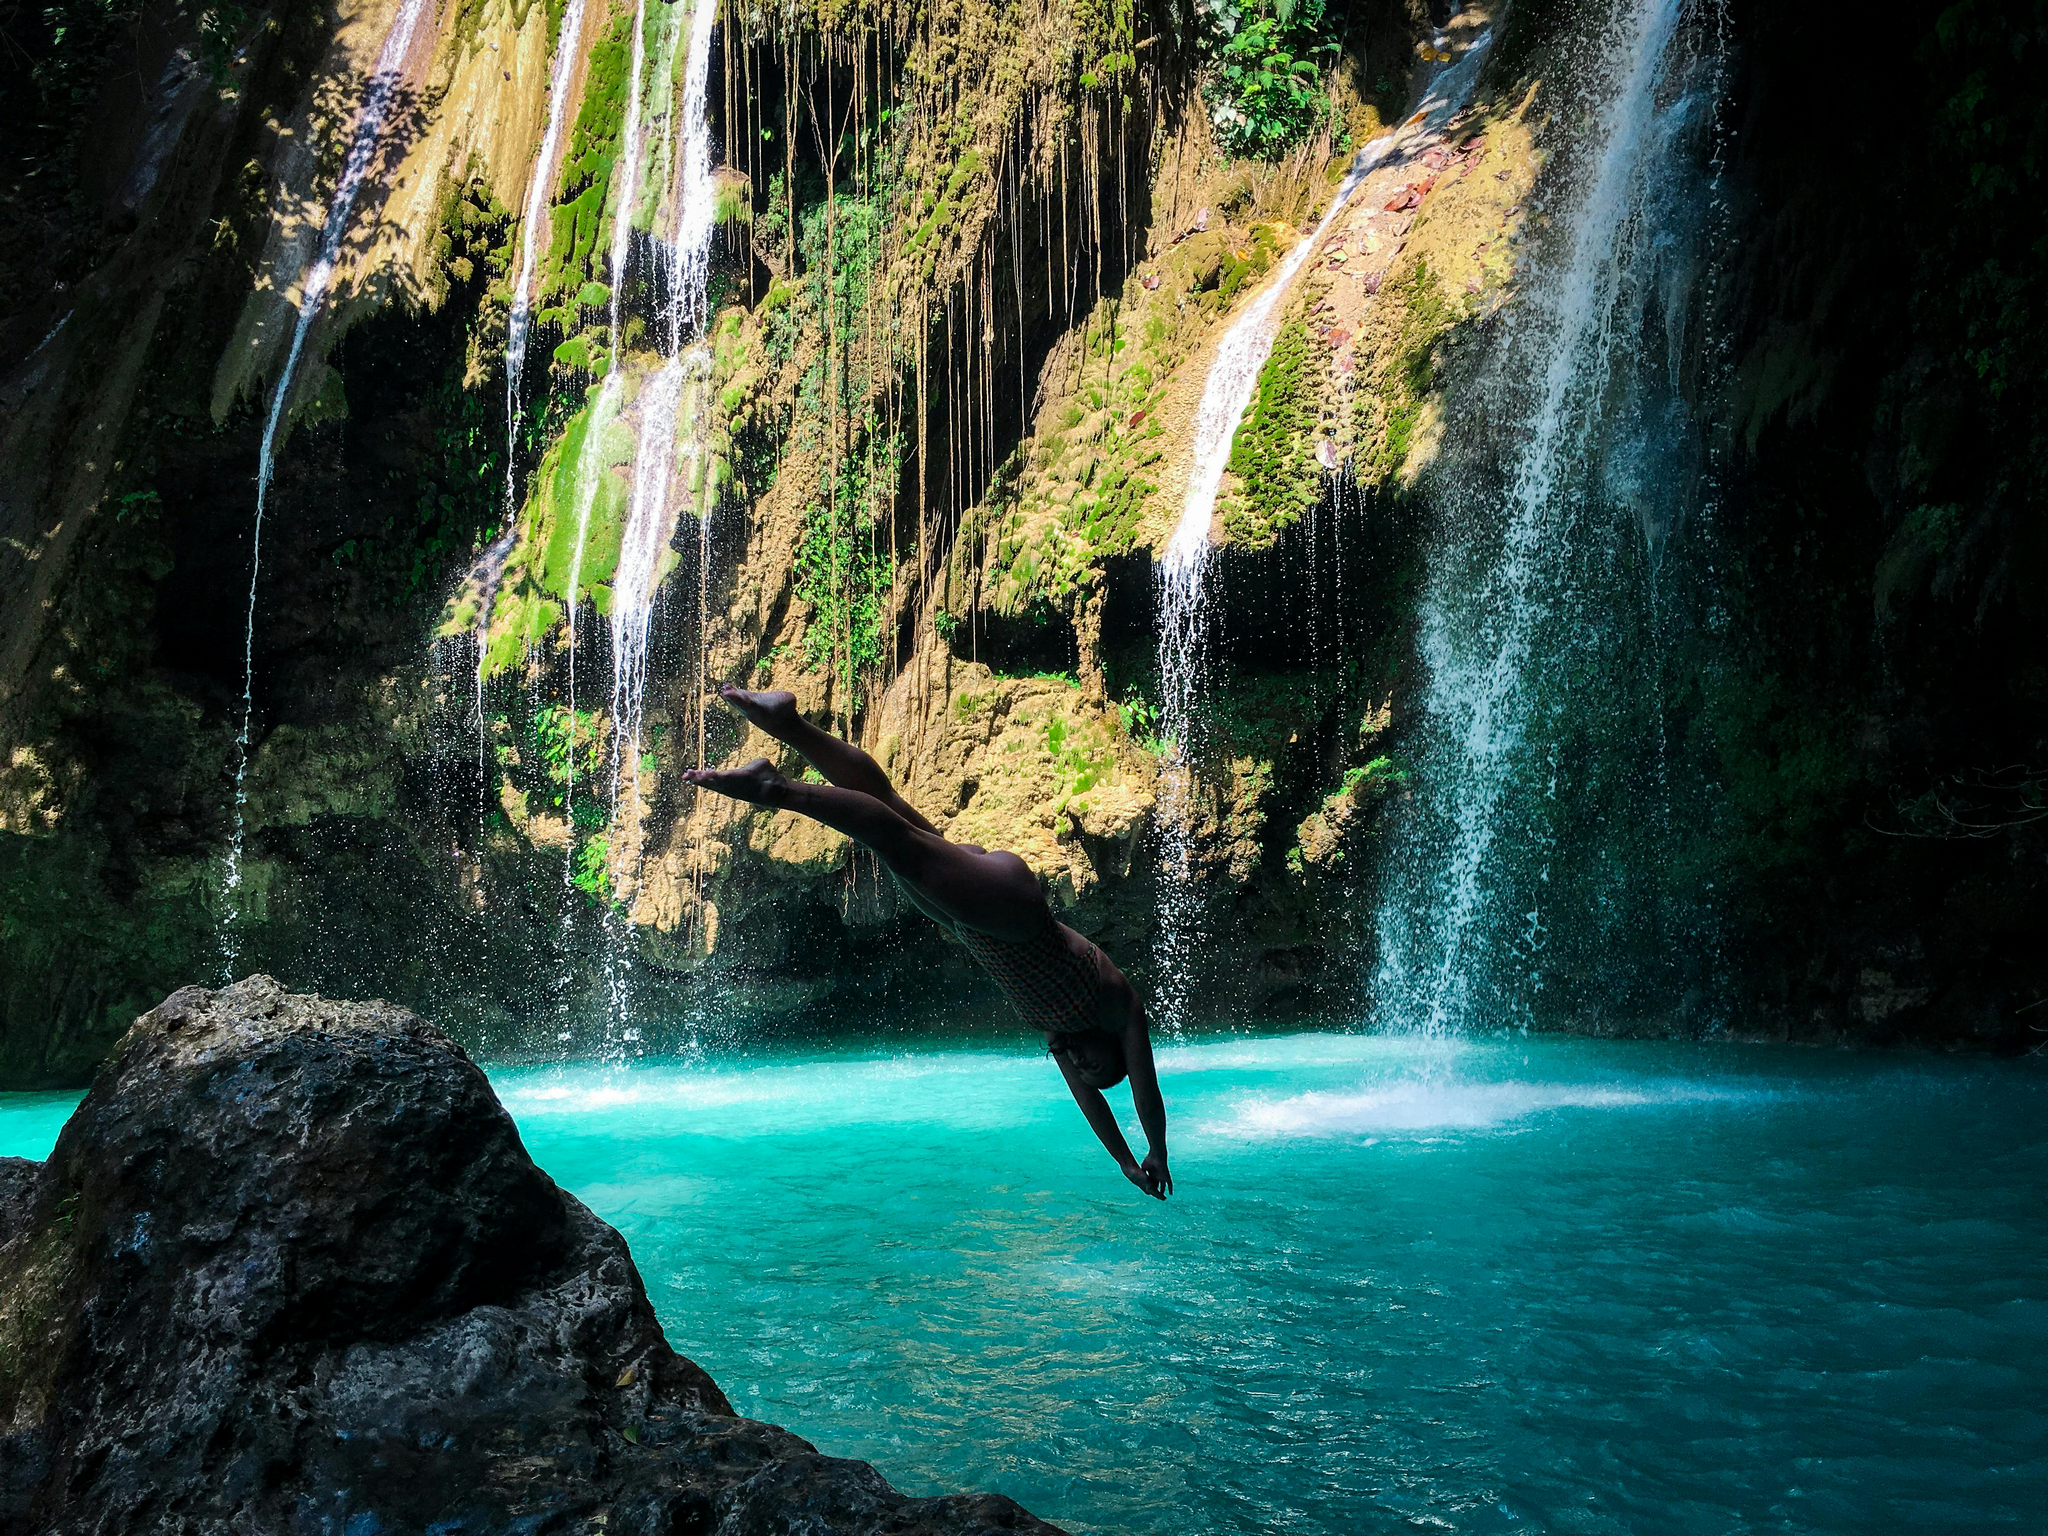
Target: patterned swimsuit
[{"x": 1051, "y": 987}]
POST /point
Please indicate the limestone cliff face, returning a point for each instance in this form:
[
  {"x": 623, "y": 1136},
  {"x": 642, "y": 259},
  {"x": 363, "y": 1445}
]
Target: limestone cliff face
[
  {"x": 973, "y": 267},
  {"x": 384, "y": 792}
]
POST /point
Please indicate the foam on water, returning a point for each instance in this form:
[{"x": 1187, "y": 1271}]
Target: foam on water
[{"x": 1440, "y": 1106}]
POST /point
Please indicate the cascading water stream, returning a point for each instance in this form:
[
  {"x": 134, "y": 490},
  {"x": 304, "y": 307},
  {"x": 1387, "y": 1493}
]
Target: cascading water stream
[
  {"x": 696, "y": 189},
  {"x": 520, "y": 323},
  {"x": 651, "y": 513},
  {"x": 628, "y": 192},
  {"x": 676, "y": 385},
  {"x": 378, "y": 96},
  {"x": 491, "y": 563},
  {"x": 648, "y": 528},
  {"x": 538, "y": 196},
  {"x": 1233, "y": 375},
  {"x": 1505, "y": 613}
]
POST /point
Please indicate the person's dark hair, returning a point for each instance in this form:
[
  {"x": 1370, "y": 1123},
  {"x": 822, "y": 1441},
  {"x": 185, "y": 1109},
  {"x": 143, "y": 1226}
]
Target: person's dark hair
[{"x": 1096, "y": 1056}]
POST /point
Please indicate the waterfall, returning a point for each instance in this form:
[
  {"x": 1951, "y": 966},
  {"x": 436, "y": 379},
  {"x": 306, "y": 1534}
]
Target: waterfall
[
  {"x": 640, "y": 547},
  {"x": 628, "y": 190},
  {"x": 590, "y": 463},
  {"x": 1544, "y": 786},
  {"x": 672, "y": 403},
  {"x": 491, "y": 564},
  {"x": 538, "y": 191},
  {"x": 649, "y": 525},
  {"x": 695, "y": 193},
  {"x": 378, "y": 96},
  {"x": 1183, "y": 616}
]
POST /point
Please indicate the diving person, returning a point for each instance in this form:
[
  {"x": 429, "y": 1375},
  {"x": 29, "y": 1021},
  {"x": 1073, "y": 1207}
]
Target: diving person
[{"x": 1059, "y": 982}]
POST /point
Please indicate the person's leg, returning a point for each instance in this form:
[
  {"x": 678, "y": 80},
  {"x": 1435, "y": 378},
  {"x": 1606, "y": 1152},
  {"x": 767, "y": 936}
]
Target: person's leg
[
  {"x": 994, "y": 893},
  {"x": 841, "y": 762}
]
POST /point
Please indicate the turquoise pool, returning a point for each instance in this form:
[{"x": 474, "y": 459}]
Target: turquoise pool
[{"x": 1555, "y": 1286}]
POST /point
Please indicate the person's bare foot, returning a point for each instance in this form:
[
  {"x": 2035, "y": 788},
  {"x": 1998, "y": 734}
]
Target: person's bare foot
[
  {"x": 773, "y": 711},
  {"x": 757, "y": 782}
]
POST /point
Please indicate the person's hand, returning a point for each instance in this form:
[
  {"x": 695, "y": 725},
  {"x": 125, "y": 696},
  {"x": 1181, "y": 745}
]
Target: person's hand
[
  {"x": 1150, "y": 1176},
  {"x": 1154, "y": 1167}
]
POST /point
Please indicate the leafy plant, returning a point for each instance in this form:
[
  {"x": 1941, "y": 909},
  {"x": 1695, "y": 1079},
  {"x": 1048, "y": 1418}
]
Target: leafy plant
[
  {"x": 593, "y": 876},
  {"x": 1375, "y": 778},
  {"x": 842, "y": 567},
  {"x": 1266, "y": 68},
  {"x": 1079, "y": 768},
  {"x": 567, "y": 744},
  {"x": 843, "y": 557},
  {"x": 1140, "y": 716},
  {"x": 220, "y": 28}
]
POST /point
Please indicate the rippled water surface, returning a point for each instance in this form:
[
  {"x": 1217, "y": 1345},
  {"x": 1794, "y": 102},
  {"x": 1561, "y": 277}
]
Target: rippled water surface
[{"x": 1543, "y": 1286}]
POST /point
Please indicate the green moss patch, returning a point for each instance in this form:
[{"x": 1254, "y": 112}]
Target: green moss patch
[{"x": 1272, "y": 456}]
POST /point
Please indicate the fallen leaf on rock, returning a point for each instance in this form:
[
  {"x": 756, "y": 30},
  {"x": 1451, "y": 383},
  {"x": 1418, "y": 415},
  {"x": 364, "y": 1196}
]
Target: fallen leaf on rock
[
  {"x": 1149, "y": 281},
  {"x": 1137, "y": 418},
  {"x": 1372, "y": 281},
  {"x": 1501, "y": 175},
  {"x": 625, "y": 1377},
  {"x": 1338, "y": 337}
]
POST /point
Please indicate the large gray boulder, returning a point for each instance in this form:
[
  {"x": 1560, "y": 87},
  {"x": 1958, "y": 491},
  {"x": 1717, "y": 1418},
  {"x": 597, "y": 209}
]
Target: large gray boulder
[{"x": 289, "y": 1269}]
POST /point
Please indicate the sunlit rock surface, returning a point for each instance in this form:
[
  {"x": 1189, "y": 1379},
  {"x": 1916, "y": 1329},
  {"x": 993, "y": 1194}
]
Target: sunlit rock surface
[{"x": 290, "y": 1268}]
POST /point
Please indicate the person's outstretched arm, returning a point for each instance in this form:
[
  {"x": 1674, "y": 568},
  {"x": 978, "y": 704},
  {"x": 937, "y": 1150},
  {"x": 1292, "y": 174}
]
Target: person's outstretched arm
[
  {"x": 1102, "y": 1121},
  {"x": 1144, "y": 1079}
]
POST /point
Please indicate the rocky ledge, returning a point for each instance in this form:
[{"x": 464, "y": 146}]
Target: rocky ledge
[{"x": 289, "y": 1269}]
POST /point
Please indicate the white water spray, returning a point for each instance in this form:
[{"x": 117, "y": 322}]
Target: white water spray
[
  {"x": 1481, "y": 638},
  {"x": 378, "y": 97}
]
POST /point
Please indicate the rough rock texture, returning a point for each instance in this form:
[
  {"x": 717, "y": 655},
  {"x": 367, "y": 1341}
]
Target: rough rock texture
[{"x": 290, "y": 1269}]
